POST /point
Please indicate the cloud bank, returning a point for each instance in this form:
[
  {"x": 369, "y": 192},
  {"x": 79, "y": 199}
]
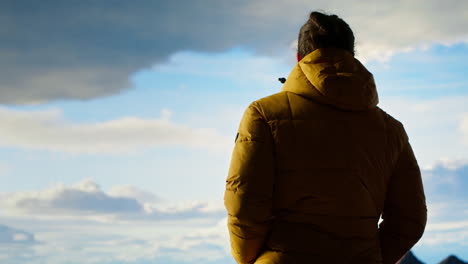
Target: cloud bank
[
  {"x": 87, "y": 49},
  {"x": 94, "y": 244},
  {"x": 82, "y": 223},
  {"x": 130, "y": 228},
  {"x": 48, "y": 130},
  {"x": 445, "y": 184},
  {"x": 87, "y": 200}
]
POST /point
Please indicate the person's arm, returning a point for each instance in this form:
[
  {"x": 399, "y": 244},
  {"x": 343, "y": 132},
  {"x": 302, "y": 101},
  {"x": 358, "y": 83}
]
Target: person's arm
[
  {"x": 405, "y": 214},
  {"x": 249, "y": 186}
]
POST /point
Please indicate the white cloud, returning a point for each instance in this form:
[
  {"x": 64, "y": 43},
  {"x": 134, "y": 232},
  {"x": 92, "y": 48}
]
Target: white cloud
[
  {"x": 64, "y": 241},
  {"x": 83, "y": 224},
  {"x": 445, "y": 226},
  {"x": 447, "y": 181},
  {"x": 446, "y": 210},
  {"x": 464, "y": 127},
  {"x": 85, "y": 197},
  {"x": 186, "y": 241},
  {"x": 458, "y": 237},
  {"x": 447, "y": 164},
  {"x": 445, "y": 185},
  {"x": 86, "y": 200},
  {"x": 217, "y": 234},
  {"x": 132, "y": 192},
  {"x": 48, "y": 130},
  {"x": 382, "y": 28}
]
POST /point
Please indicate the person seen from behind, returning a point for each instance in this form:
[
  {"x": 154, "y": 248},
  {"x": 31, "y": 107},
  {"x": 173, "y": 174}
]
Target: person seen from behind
[{"x": 316, "y": 165}]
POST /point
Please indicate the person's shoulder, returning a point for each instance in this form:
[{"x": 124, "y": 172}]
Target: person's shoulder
[
  {"x": 272, "y": 107},
  {"x": 389, "y": 119},
  {"x": 394, "y": 126}
]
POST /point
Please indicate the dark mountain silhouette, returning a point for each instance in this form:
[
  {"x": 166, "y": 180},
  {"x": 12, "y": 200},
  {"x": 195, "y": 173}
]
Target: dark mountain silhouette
[
  {"x": 410, "y": 258},
  {"x": 452, "y": 260}
]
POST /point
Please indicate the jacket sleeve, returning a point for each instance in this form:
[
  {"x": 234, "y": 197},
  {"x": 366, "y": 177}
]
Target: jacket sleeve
[
  {"x": 249, "y": 187},
  {"x": 404, "y": 214}
]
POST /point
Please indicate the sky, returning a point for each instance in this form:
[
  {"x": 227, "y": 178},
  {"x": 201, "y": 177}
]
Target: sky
[{"x": 118, "y": 118}]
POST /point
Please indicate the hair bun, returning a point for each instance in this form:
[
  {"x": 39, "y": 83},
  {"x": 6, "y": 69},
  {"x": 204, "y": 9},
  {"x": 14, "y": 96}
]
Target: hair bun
[{"x": 321, "y": 31}]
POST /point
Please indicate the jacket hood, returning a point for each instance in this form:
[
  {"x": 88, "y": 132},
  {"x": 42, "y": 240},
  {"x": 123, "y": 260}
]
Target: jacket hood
[{"x": 333, "y": 76}]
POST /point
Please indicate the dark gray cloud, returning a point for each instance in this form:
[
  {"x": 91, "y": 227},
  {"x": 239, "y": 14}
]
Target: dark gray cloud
[
  {"x": 78, "y": 199},
  {"x": 84, "y": 49},
  {"x": 54, "y": 49}
]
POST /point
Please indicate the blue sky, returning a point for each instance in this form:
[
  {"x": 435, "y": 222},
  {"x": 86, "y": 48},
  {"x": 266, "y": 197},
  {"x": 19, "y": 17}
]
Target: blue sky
[{"x": 118, "y": 121}]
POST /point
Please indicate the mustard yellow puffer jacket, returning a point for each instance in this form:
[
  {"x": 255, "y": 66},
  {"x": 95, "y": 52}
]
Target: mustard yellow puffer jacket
[{"x": 315, "y": 166}]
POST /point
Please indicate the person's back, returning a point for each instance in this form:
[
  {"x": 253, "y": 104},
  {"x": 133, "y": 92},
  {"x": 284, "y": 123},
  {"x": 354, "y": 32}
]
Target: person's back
[{"x": 316, "y": 165}]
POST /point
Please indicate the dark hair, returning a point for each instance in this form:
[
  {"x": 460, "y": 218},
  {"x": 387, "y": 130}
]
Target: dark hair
[{"x": 324, "y": 31}]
